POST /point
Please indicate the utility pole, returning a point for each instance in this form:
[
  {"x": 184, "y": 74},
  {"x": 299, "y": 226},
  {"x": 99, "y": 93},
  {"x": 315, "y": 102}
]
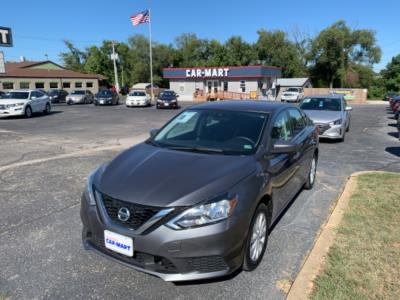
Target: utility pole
[
  {"x": 114, "y": 58},
  {"x": 151, "y": 58}
]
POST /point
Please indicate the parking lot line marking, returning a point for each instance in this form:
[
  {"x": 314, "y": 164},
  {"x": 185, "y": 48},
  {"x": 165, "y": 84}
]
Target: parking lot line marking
[{"x": 123, "y": 144}]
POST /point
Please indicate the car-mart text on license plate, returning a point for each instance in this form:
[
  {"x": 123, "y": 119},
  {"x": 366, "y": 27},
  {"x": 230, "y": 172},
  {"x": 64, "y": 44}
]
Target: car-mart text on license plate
[{"x": 118, "y": 243}]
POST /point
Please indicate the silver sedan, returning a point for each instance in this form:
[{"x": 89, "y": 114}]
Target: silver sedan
[{"x": 329, "y": 113}]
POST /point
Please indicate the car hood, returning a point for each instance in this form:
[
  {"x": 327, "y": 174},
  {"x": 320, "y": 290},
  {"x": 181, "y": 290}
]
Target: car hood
[
  {"x": 137, "y": 97},
  {"x": 75, "y": 96},
  {"x": 323, "y": 116},
  {"x": 160, "y": 177},
  {"x": 11, "y": 101},
  {"x": 165, "y": 98}
]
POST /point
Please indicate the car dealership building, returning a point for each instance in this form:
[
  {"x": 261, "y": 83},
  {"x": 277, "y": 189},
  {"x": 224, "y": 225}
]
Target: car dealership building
[{"x": 249, "y": 79}]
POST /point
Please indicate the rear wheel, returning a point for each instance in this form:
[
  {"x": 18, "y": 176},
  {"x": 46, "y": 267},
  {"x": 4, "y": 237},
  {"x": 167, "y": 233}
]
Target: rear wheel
[
  {"x": 257, "y": 239},
  {"x": 47, "y": 109},
  {"x": 28, "y": 112},
  {"x": 312, "y": 174}
]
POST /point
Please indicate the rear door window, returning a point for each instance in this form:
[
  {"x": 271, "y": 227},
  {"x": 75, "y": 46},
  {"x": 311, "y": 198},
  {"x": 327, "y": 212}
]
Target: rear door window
[
  {"x": 281, "y": 129},
  {"x": 296, "y": 121}
]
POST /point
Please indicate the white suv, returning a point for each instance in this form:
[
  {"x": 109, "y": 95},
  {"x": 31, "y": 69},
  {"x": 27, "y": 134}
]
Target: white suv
[
  {"x": 292, "y": 94},
  {"x": 24, "y": 102}
]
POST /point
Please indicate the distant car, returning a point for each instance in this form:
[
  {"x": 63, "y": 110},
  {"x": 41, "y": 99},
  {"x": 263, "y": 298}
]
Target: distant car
[
  {"x": 24, "y": 103},
  {"x": 329, "y": 113},
  {"x": 395, "y": 104},
  {"x": 138, "y": 98},
  {"x": 80, "y": 96},
  {"x": 292, "y": 94},
  {"x": 389, "y": 96},
  {"x": 57, "y": 96},
  {"x": 106, "y": 97},
  {"x": 167, "y": 99}
]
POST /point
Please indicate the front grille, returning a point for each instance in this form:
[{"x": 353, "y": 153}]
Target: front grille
[
  {"x": 207, "y": 264},
  {"x": 139, "y": 259},
  {"x": 139, "y": 214}
]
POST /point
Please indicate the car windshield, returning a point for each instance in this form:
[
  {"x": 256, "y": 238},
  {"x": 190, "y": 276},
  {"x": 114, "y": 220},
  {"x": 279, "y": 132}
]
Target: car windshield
[
  {"x": 104, "y": 93},
  {"x": 210, "y": 131},
  {"x": 167, "y": 94},
  {"x": 292, "y": 90},
  {"x": 136, "y": 93},
  {"x": 78, "y": 93},
  {"x": 332, "y": 104},
  {"x": 16, "y": 95},
  {"x": 53, "y": 92}
]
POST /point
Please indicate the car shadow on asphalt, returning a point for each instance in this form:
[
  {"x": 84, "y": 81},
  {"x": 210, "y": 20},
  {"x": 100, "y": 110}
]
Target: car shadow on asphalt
[
  {"x": 34, "y": 116},
  {"x": 393, "y": 150},
  {"x": 394, "y": 134}
]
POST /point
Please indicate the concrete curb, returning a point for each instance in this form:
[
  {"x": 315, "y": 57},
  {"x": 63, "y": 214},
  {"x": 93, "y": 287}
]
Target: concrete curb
[
  {"x": 122, "y": 144},
  {"x": 303, "y": 284}
]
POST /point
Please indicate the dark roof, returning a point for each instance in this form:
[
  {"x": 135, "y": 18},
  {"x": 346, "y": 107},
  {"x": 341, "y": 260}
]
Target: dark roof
[
  {"x": 245, "y": 105},
  {"x": 24, "y": 70},
  {"x": 332, "y": 96}
]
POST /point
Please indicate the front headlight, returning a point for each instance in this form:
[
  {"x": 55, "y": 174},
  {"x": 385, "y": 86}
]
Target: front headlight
[
  {"x": 89, "y": 189},
  {"x": 204, "y": 214},
  {"x": 337, "y": 122}
]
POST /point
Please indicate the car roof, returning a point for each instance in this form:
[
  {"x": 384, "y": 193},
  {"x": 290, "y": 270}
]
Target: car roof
[
  {"x": 22, "y": 90},
  {"x": 331, "y": 96},
  {"x": 245, "y": 105}
]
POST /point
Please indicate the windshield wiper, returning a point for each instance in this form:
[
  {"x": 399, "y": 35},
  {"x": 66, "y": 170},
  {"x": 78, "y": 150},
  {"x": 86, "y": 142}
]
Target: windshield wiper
[{"x": 196, "y": 149}]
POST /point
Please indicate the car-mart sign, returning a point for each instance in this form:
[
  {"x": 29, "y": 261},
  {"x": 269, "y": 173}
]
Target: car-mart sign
[
  {"x": 5, "y": 37},
  {"x": 210, "y": 72}
]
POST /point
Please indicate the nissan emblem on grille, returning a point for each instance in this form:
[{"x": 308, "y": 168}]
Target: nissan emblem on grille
[{"x": 123, "y": 214}]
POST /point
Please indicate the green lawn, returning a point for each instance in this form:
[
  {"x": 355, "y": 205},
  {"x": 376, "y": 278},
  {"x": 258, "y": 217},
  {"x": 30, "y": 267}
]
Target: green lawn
[{"x": 364, "y": 261}]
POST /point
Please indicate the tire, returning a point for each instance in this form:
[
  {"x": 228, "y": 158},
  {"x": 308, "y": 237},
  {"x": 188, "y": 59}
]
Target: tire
[
  {"x": 28, "y": 112},
  {"x": 342, "y": 139},
  {"x": 47, "y": 109},
  {"x": 348, "y": 128},
  {"x": 257, "y": 238},
  {"x": 311, "y": 174}
]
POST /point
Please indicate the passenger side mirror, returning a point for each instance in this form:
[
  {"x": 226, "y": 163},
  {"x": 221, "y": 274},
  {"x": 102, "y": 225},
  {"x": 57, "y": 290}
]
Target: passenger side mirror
[
  {"x": 33, "y": 98},
  {"x": 153, "y": 132},
  {"x": 281, "y": 147},
  {"x": 348, "y": 108}
]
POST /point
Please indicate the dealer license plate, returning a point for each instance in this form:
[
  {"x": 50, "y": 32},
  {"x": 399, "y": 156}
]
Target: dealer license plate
[
  {"x": 166, "y": 104},
  {"x": 118, "y": 243}
]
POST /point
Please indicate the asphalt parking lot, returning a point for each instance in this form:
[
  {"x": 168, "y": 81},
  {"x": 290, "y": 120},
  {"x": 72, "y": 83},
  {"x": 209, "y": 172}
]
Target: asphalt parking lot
[{"x": 43, "y": 165}]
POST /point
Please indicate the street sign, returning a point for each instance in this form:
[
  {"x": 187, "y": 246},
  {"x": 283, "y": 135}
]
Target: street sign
[
  {"x": 5, "y": 37},
  {"x": 2, "y": 63}
]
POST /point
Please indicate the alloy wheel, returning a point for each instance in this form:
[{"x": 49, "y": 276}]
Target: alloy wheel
[{"x": 258, "y": 237}]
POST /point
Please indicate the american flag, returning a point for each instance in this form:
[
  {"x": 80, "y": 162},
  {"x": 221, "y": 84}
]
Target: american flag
[{"x": 143, "y": 17}]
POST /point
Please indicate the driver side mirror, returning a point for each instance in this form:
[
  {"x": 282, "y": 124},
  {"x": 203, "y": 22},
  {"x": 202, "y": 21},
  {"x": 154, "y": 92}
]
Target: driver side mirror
[
  {"x": 348, "y": 108},
  {"x": 33, "y": 97},
  {"x": 153, "y": 132},
  {"x": 281, "y": 147}
]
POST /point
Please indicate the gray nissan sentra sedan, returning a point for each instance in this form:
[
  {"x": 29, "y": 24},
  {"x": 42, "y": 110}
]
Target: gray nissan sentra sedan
[{"x": 198, "y": 198}]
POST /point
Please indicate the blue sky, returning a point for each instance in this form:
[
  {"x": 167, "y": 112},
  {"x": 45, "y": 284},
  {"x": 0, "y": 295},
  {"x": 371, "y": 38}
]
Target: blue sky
[{"x": 40, "y": 26}]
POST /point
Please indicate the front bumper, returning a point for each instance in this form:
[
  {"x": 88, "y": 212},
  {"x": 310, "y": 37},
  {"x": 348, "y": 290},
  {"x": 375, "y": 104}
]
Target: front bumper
[
  {"x": 331, "y": 131},
  {"x": 132, "y": 103},
  {"x": 13, "y": 111},
  {"x": 289, "y": 99},
  {"x": 173, "y": 255},
  {"x": 167, "y": 104},
  {"x": 76, "y": 101},
  {"x": 103, "y": 101}
]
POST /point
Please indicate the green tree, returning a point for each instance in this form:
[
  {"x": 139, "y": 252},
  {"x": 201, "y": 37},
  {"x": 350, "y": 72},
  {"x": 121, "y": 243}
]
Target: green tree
[
  {"x": 74, "y": 59},
  {"x": 391, "y": 75},
  {"x": 337, "y": 48},
  {"x": 238, "y": 52},
  {"x": 275, "y": 49}
]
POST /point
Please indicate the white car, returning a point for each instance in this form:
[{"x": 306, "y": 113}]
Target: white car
[
  {"x": 138, "y": 98},
  {"x": 292, "y": 94},
  {"x": 80, "y": 97},
  {"x": 24, "y": 103}
]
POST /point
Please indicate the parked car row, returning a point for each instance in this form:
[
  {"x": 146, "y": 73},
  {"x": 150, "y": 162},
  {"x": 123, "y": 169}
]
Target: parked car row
[
  {"x": 27, "y": 102},
  {"x": 394, "y": 104}
]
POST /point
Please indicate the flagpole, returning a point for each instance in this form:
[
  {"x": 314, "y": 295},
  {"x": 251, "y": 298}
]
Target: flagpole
[{"x": 151, "y": 58}]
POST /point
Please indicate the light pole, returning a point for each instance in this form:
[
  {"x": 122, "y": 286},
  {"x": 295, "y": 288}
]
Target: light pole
[{"x": 114, "y": 58}]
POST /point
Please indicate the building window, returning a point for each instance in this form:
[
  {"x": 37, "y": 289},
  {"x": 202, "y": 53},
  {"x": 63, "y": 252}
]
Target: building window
[
  {"x": 39, "y": 85},
  {"x": 54, "y": 85},
  {"x": 89, "y": 84},
  {"x": 24, "y": 85},
  {"x": 243, "y": 86},
  {"x": 78, "y": 85},
  {"x": 8, "y": 85},
  {"x": 225, "y": 86},
  {"x": 66, "y": 85}
]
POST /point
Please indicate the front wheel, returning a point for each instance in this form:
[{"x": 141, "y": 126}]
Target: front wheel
[
  {"x": 312, "y": 174},
  {"x": 257, "y": 239},
  {"x": 28, "y": 112}
]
